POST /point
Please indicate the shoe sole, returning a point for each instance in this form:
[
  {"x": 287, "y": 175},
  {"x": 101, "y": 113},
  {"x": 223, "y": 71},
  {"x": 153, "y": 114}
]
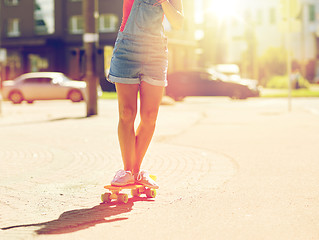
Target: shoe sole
[
  {"x": 122, "y": 185},
  {"x": 146, "y": 185}
]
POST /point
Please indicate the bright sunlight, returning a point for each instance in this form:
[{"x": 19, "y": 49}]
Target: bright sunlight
[{"x": 224, "y": 9}]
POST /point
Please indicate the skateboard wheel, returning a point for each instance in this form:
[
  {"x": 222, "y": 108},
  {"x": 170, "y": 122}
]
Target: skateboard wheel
[
  {"x": 135, "y": 192},
  {"x": 106, "y": 197},
  {"x": 150, "y": 193},
  {"x": 122, "y": 198},
  {"x": 153, "y": 177}
]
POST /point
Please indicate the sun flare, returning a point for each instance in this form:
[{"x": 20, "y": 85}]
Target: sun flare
[{"x": 224, "y": 9}]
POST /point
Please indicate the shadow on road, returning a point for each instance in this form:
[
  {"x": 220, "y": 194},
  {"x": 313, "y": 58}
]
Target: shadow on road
[{"x": 76, "y": 220}]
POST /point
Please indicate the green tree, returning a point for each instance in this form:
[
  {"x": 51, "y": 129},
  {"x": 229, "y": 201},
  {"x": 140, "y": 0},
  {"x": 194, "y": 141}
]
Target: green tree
[{"x": 272, "y": 63}]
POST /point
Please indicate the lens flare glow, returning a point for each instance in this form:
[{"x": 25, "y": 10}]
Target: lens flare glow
[{"x": 224, "y": 9}]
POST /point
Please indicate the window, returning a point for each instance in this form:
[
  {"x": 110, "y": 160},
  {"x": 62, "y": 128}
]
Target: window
[
  {"x": 13, "y": 27},
  {"x": 312, "y": 12},
  {"x": 76, "y": 24},
  {"x": 37, "y": 63},
  {"x": 42, "y": 80},
  {"x": 11, "y": 2},
  {"x": 272, "y": 16},
  {"x": 108, "y": 23},
  {"x": 44, "y": 17},
  {"x": 259, "y": 17}
]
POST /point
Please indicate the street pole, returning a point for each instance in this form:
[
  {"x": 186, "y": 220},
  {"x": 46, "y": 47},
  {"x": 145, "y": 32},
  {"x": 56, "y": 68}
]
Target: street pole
[
  {"x": 1, "y": 80},
  {"x": 289, "y": 65},
  {"x": 90, "y": 38},
  {"x": 288, "y": 43},
  {"x": 291, "y": 10},
  {"x": 2, "y": 68}
]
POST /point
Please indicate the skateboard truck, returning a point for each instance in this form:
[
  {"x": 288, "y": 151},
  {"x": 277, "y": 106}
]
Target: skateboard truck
[{"x": 136, "y": 191}]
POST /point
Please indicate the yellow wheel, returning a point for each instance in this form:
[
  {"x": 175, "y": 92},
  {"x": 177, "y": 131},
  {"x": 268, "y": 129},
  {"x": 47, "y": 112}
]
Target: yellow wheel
[
  {"x": 135, "y": 192},
  {"x": 123, "y": 198},
  {"x": 153, "y": 177},
  {"x": 106, "y": 197},
  {"x": 150, "y": 193}
]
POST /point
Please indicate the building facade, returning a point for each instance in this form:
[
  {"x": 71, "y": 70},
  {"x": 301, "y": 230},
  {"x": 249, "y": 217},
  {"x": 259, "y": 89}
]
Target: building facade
[
  {"x": 46, "y": 35},
  {"x": 256, "y": 26},
  {"x": 182, "y": 44},
  {"x": 267, "y": 17}
]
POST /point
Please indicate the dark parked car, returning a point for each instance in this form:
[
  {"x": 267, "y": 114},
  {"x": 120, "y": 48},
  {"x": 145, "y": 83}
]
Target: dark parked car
[{"x": 204, "y": 83}]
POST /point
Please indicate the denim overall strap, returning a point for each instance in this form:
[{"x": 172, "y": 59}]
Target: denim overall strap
[{"x": 145, "y": 19}]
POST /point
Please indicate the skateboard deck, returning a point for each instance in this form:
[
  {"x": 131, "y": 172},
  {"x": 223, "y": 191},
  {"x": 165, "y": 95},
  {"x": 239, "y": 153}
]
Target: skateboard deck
[{"x": 114, "y": 192}]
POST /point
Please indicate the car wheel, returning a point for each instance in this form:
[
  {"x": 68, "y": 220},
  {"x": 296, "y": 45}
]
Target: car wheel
[
  {"x": 16, "y": 97},
  {"x": 236, "y": 94},
  {"x": 75, "y": 96},
  {"x": 178, "y": 98}
]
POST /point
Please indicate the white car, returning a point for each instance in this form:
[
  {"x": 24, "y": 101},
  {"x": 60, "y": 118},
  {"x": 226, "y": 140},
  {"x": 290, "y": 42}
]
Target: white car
[{"x": 43, "y": 86}]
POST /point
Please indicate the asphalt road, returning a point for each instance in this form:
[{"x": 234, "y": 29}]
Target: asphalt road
[{"x": 227, "y": 170}]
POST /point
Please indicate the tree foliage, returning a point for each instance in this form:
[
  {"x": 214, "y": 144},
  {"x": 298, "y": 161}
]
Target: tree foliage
[{"x": 272, "y": 63}]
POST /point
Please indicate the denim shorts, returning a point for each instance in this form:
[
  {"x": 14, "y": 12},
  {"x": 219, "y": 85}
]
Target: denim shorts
[{"x": 137, "y": 59}]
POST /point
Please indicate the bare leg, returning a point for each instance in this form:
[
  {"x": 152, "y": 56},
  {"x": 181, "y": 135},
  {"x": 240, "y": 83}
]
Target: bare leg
[
  {"x": 127, "y": 102},
  {"x": 150, "y": 99}
]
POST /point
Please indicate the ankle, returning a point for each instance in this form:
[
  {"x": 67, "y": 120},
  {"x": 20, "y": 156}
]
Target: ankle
[{"x": 135, "y": 174}]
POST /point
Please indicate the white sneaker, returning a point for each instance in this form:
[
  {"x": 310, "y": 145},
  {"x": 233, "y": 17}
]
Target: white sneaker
[
  {"x": 144, "y": 178},
  {"x": 123, "y": 178}
]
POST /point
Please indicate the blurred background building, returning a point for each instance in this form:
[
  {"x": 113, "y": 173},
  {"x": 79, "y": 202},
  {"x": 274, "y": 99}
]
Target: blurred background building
[
  {"x": 46, "y": 35},
  {"x": 245, "y": 31}
]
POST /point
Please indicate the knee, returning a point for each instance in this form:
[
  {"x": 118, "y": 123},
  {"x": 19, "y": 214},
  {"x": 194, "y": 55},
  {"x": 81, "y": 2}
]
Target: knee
[
  {"x": 149, "y": 117},
  {"x": 127, "y": 114}
]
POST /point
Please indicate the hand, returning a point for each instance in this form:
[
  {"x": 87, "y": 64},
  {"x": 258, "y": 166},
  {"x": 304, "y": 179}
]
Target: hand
[
  {"x": 173, "y": 10},
  {"x": 159, "y": 2}
]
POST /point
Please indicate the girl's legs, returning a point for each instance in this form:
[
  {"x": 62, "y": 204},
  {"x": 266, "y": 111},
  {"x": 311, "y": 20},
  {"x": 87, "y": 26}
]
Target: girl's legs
[
  {"x": 134, "y": 146},
  {"x": 127, "y": 102},
  {"x": 150, "y": 99}
]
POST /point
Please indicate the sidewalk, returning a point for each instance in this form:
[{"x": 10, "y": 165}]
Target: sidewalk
[{"x": 235, "y": 166}]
